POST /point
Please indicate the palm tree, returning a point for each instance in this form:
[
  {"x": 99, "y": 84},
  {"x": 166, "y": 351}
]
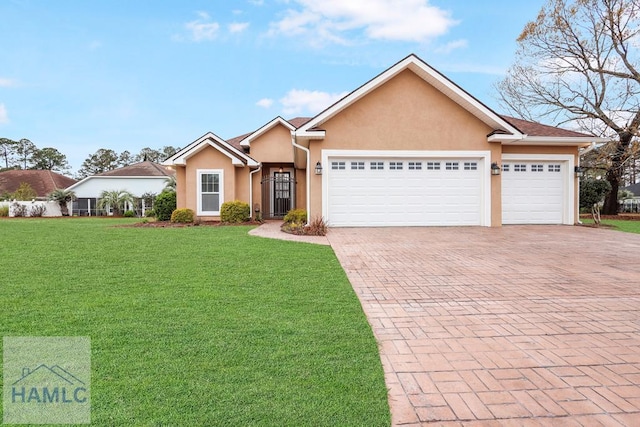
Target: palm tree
[
  {"x": 170, "y": 183},
  {"x": 63, "y": 197},
  {"x": 116, "y": 200}
]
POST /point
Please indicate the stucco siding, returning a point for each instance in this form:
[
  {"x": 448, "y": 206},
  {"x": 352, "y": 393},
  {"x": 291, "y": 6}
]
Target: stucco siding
[{"x": 274, "y": 146}]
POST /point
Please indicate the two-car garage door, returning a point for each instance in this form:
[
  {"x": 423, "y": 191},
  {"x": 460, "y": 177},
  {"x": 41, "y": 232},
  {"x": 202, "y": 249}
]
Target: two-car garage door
[
  {"x": 427, "y": 191},
  {"x": 405, "y": 191}
]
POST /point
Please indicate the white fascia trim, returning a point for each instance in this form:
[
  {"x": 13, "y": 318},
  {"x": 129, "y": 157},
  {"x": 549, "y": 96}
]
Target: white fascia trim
[
  {"x": 551, "y": 140},
  {"x": 568, "y": 212},
  {"x": 313, "y": 134},
  {"x": 246, "y": 142},
  {"x": 484, "y": 156},
  {"x": 505, "y": 138},
  {"x": 209, "y": 139},
  {"x": 430, "y": 75}
]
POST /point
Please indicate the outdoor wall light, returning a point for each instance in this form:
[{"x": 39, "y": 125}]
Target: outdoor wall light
[
  {"x": 495, "y": 169},
  {"x": 318, "y": 169},
  {"x": 579, "y": 171}
]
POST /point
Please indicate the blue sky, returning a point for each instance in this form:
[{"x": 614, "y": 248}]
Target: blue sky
[{"x": 82, "y": 75}]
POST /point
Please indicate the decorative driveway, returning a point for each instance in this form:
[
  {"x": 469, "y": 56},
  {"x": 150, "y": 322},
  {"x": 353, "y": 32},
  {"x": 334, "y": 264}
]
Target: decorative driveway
[{"x": 519, "y": 325}]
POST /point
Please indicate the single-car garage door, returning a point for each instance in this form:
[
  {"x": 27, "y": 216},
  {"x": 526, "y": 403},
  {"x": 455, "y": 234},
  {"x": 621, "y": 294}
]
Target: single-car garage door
[
  {"x": 533, "y": 192},
  {"x": 404, "y": 191}
]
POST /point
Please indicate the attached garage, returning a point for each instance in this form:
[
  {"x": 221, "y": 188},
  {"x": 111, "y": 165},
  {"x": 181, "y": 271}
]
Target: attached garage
[
  {"x": 536, "y": 191},
  {"x": 424, "y": 190}
]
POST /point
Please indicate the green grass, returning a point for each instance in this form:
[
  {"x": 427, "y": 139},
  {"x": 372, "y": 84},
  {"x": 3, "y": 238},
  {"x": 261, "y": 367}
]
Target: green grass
[
  {"x": 618, "y": 224},
  {"x": 196, "y": 326}
]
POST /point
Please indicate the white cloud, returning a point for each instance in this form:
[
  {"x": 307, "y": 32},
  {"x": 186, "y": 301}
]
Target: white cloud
[
  {"x": 333, "y": 20},
  {"x": 4, "y": 82},
  {"x": 4, "y": 116},
  {"x": 238, "y": 27},
  {"x": 298, "y": 101},
  {"x": 265, "y": 103},
  {"x": 201, "y": 29},
  {"x": 451, "y": 46}
]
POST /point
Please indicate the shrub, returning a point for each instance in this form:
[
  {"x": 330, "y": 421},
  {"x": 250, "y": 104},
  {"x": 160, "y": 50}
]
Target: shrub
[
  {"x": 183, "y": 215},
  {"x": 129, "y": 214},
  {"x": 4, "y": 210},
  {"x": 150, "y": 213},
  {"x": 37, "y": 210},
  {"x": 235, "y": 212},
  {"x": 24, "y": 192},
  {"x": 18, "y": 209},
  {"x": 316, "y": 227},
  {"x": 296, "y": 216},
  {"x": 165, "y": 205}
]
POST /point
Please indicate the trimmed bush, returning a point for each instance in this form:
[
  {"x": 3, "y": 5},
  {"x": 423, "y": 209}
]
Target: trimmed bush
[
  {"x": 165, "y": 205},
  {"x": 150, "y": 213},
  {"x": 296, "y": 216},
  {"x": 235, "y": 212},
  {"x": 37, "y": 210},
  {"x": 129, "y": 214},
  {"x": 18, "y": 209},
  {"x": 183, "y": 215}
]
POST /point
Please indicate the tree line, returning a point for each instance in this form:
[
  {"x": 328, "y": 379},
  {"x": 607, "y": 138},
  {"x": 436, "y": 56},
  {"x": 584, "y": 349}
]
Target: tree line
[{"x": 24, "y": 154}]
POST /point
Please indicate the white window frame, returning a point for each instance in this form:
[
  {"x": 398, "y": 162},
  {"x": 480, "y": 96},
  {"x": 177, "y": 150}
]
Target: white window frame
[{"x": 201, "y": 172}]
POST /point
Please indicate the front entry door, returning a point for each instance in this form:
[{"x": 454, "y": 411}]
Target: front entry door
[{"x": 281, "y": 193}]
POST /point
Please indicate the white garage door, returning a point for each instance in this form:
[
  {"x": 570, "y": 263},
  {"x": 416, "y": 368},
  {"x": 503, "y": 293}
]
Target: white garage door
[
  {"x": 404, "y": 192},
  {"x": 533, "y": 192}
]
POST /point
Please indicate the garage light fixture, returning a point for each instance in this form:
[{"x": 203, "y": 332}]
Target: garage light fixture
[
  {"x": 318, "y": 169},
  {"x": 579, "y": 171},
  {"x": 495, "y": 169}
]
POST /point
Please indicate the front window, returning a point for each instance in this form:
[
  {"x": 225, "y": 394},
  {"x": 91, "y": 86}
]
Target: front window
[{"x": 210, "y": 194}]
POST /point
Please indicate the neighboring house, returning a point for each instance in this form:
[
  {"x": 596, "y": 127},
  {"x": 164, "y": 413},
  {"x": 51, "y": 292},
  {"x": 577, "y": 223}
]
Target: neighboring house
[
  {"x": 407, "y": 148},
  {"x": 43, "y": 182},
  {"x": 631, "y": 204},
  {"x": 138, "y": 179}
]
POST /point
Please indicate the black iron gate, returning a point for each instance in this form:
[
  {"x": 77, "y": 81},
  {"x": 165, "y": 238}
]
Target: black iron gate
[{"x": 278, "y": 194}]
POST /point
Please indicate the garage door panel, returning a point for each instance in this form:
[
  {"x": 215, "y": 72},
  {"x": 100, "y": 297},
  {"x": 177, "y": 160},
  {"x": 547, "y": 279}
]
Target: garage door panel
[
  {"x": 533, "y": 192},
  {"x": 413, "y": 195}
]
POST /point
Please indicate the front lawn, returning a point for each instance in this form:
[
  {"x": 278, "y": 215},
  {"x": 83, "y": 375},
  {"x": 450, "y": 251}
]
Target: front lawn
[
  {"x": 196, "y": 326},
  {"x": 628, "y": 226}
]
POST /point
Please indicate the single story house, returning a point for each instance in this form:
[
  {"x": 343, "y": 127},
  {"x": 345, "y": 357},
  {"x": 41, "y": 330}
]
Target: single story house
[
  {"x": 407, "y": 148},
  {"x": 139, "y": 179},
  {"x": 43, "y": 182}
]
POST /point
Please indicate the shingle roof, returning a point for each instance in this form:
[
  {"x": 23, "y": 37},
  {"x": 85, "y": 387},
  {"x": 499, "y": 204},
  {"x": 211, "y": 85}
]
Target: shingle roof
[
  {"x": 538, "y": 129},
  {"x": 42, "y": 181},
  {"x": 146, "y": 168}
]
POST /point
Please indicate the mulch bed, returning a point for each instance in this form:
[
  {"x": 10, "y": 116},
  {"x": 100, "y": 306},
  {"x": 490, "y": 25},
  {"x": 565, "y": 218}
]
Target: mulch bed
[
  {"x": 621, "y": 217},
  {"x": 169, "y": 224}
]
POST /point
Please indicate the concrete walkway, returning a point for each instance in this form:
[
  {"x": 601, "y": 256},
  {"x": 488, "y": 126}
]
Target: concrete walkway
[
  {"x": 271, "y": 230},
  {"x": 519, "y": 325}
]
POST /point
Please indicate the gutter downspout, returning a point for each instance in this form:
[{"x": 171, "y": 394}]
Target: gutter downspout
[
  {"x": 251, "y": 189},
  {"x": 586, "y": 150},
  {"x": 306, "y": 150}
]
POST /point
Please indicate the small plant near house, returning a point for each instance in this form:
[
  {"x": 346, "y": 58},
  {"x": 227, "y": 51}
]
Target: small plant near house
[
  {"x": 116, "y": 200},
  {"x": 129, "y": 214},
  {"x": 235, "y": 212},
  {"x": 150, "y": 213},
  {"x": 316, "y": 227},
  {"x": 592, "y": 192},
  {"x": 183, "y": 215},
  {"x": 18, "y": 209},
  {"x": 4, "y": 210},
  {"x": 37, "y": 210},
  {"x": 165, "y": 205},
  {"x": 296, "y": 216}
]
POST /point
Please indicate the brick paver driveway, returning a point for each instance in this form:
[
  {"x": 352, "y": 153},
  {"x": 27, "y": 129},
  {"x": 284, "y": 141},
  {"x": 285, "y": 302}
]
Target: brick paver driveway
[{"x": 522, "y": 325}]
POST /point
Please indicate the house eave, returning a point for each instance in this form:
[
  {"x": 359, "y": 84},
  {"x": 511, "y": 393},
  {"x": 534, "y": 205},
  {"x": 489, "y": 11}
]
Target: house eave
[{"x": 552, "y": 141}]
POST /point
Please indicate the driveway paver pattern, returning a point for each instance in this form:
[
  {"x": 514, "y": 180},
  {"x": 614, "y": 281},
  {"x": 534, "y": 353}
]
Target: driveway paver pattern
[{"x": 519, "y": 325}]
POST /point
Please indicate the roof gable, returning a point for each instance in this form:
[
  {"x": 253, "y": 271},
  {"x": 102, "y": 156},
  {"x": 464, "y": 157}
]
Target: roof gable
[
  {"x": 237, "y": 157},
  {"x": 428, "y": 74},
  {"x": 278, "y": 121}
]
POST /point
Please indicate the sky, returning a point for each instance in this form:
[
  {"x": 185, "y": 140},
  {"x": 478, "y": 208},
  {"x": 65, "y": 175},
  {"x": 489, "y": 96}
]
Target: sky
[{"x": 82, "y": 75}]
